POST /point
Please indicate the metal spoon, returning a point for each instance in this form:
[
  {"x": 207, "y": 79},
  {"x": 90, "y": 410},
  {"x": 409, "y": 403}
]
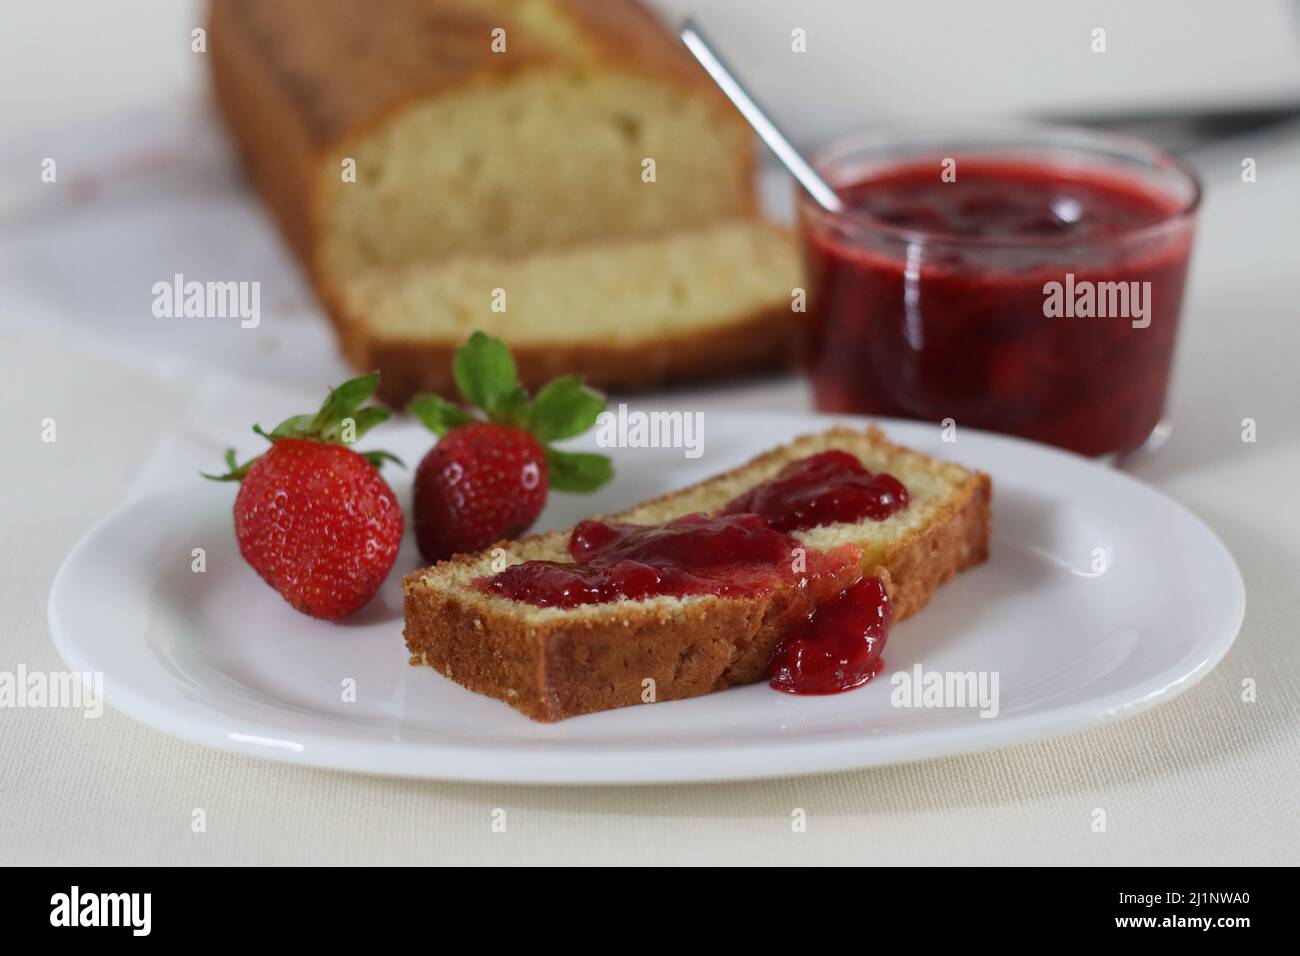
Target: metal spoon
[{"x": 776, "y": 141}]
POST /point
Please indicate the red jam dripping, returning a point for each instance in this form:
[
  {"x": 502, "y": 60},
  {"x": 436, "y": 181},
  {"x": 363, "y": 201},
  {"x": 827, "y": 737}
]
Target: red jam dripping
[
  {"x": 825, "y": 488},
  {"x": 838, "y": 646},
  {"x": 727, "y": 555}
]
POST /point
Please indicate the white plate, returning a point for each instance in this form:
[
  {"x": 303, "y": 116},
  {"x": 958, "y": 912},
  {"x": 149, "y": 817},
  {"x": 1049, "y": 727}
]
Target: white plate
[{"x": 220, "y": 659}]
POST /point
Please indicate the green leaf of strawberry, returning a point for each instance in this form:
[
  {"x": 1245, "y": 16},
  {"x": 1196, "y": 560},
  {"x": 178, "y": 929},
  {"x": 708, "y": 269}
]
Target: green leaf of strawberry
[
  {"x": 296, "y": 425},
  {"x": 485, "y": 372},
  {"x": 576, "y": 470},
  {"x": 340, "y": 421},
  {"x": 236, "y": 471},
  {"x": 564, "y": 408},
  {"x": 344, "y": 400},
  {"x": 439, "y": 415},
  {"x": 377, "y": 458}
]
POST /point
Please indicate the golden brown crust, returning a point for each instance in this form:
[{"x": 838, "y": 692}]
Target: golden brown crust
[
  {"x": 341, "y": 66},
  {"x": 261, "y": 115},
  {"x": 752, "y": 343},
  {"x": 567, "y": 665},
  {"x": 565, "y": 668},
  {"x": 958, "y": 539}
]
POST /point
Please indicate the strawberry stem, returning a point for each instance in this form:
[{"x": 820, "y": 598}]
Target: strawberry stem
[{"x": 341, "y": 421}]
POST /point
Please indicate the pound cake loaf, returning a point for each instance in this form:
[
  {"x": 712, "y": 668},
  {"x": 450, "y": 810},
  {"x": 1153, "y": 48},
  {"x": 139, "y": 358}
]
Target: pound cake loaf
[
  {"x": 454, "y": 136},
  {"x": 553, "y": 662},
  {"x": 703, "y": 303}
]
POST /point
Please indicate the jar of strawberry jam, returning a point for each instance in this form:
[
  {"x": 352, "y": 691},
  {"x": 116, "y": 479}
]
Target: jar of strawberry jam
[{"x": 1022, "y": 280}]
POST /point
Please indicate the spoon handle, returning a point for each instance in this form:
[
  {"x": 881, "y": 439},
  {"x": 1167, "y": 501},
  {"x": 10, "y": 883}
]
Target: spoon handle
[{"x": 776, "y": 141}]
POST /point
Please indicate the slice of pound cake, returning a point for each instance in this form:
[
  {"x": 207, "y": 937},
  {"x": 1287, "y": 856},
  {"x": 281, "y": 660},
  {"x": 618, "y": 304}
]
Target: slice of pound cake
[
  {"x": 504, "y": 152},
  {"x": 757, "y": 573},
  {"x": 708, "y": 302}
]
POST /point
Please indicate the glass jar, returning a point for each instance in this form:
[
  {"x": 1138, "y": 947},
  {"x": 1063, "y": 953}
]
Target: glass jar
[{"x": 1024, "y": 280}]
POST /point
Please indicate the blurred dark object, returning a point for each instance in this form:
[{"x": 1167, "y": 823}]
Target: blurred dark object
[{"x": 1188, "y": 132}]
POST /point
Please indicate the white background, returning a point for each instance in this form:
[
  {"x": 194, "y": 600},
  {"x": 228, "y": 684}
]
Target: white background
[{"x": 1208, "y": 778}]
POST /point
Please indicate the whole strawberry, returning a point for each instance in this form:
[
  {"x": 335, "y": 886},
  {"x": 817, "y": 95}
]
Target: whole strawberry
[
  {"x": 313, "y": 517},
  {"x": 479, "y": 484},
  {"x": 488, "y": 480}
]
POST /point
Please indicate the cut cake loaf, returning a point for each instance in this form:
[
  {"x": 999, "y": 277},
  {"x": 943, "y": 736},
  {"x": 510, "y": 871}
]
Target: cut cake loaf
[
  {"x": 552, "y": 663},
  {"x": 463, "y": 148},
  {"x": 463, "y": 139}
]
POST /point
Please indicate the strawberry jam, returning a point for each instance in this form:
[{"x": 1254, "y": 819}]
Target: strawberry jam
[
  {"x": 728, "y": 555},
  {"x": 746, "y": 551},
  {"x": 822, "y": 489},
  {"x": 837, "y": 647},
  {"x": 1022, "y": 296}
]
